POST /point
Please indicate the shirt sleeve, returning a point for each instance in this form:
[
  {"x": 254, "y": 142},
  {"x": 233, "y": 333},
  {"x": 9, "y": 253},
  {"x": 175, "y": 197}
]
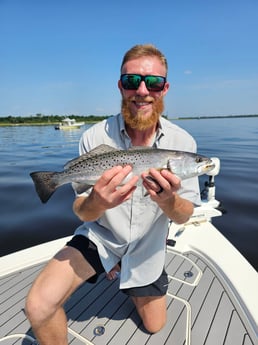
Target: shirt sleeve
[{"x": 190, "y": 190}]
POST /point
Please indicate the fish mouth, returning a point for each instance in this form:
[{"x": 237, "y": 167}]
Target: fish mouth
[{"x": 203, "y": 168}]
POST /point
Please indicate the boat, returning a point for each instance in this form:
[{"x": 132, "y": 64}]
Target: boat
[
  {"x": 211, "y": 299},
  {"x": 68, "y": 123}
]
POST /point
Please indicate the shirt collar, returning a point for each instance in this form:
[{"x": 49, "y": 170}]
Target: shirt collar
[
  {"x": 121, "y": 123},
  {"x": 160, "y": 131}
]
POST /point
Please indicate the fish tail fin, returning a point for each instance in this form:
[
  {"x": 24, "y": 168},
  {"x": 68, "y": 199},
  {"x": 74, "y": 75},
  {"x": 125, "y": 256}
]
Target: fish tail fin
[{"x": 45, "y": 184}]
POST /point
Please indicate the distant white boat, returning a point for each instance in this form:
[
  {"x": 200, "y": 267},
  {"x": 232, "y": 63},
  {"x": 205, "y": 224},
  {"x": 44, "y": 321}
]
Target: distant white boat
[{"x": 68, "y": 123}]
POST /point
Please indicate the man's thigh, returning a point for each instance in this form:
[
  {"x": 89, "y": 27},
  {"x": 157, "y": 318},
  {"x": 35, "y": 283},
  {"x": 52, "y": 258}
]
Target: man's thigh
[{"x": 61, "y": 276}]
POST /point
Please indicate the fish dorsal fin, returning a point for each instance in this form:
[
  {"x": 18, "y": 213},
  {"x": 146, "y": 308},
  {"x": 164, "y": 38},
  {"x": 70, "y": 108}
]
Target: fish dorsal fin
[
  {"x": 94, "y": 152},
  {"x": 103, "y": 148}
]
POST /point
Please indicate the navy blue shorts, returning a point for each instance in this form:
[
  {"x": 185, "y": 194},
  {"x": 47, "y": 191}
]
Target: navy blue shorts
[{"x": 89, "y": 250}]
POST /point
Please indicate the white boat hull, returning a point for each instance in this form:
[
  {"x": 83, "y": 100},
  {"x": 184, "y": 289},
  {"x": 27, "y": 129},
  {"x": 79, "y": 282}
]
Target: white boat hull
[{"x": 210, "y": 281}]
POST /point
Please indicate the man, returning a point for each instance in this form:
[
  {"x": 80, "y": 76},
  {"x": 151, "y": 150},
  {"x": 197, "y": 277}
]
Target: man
[{"x": 122, "y": 227}]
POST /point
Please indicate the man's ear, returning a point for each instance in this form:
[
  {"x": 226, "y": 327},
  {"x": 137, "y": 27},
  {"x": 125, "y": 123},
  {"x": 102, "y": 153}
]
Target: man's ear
[
  {"x": 119, "y": 84},
  {"x": 165, "y": 90}
]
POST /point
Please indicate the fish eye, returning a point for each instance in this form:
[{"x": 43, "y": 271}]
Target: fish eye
[{"x": 198, "y": 159}]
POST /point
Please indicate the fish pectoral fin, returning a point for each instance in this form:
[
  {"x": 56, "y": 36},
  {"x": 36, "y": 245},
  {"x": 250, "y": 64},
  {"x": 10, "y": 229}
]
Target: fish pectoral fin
[
  {"x": 146, "y": 194},
  {"x": 152, "y": 182}
]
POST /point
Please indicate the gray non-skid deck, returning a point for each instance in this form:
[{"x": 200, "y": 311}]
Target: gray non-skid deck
[{"x": 200, "y": 308}]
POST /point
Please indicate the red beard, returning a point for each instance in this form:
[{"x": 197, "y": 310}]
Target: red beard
[{"x": 142, "y": 121}]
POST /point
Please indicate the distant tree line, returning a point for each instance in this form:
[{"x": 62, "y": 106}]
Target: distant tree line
[
  {"x": 48, "y": 119},
  {"x": 41, "y": 119}
]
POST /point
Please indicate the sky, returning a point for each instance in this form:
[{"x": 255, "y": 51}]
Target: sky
[{"x": 63, "y": 57}]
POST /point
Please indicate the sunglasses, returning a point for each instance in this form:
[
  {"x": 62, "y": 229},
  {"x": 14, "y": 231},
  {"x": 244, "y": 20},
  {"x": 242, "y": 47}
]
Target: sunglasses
[{"x": 133, "y": 81}]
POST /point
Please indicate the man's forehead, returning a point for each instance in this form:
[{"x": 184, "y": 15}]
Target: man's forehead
[{"x": 145, "y": 65}]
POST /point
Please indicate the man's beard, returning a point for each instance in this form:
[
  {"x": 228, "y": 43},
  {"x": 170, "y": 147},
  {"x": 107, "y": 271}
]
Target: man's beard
[{"x": 141, "y": 121}]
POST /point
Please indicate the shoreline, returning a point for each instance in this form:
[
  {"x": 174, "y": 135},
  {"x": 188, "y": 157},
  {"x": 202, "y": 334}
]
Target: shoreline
[
  {"x": 27, "y": 124},
  {"x": 89, "y": 122}
]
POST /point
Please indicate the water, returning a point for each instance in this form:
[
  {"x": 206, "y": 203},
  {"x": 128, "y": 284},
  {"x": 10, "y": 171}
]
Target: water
[{"x": 25, "y": 221}]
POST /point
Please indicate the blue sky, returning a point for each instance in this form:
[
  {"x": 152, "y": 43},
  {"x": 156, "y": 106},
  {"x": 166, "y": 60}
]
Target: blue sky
[{"x": 63, "y": 56}]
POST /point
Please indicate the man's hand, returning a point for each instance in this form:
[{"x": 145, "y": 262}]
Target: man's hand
[
  {"x": 109, "y": 192},
  {"x": 164, "y": 186},
  {"x": 106, "y": 193},
  {"x": 163, "y": 190}
]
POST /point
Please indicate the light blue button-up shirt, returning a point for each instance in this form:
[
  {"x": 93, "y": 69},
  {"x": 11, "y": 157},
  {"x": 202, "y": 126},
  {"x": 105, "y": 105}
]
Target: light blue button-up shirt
[{"x": 135, "y": 232}]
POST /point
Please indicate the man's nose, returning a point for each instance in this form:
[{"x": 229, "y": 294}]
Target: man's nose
[{"x": 142, "y": 89}]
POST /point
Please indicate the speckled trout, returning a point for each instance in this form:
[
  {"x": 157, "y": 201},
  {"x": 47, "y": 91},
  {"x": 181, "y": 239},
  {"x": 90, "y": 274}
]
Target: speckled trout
[{"x": 86, "y": 169}]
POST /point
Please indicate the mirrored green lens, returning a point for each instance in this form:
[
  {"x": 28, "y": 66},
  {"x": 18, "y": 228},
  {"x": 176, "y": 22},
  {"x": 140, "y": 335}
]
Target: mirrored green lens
[
  {"x": 152, "y": 82},
  {"x": 131, "y": 81}
]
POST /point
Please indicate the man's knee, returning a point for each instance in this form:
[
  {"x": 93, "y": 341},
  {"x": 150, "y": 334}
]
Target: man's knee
[
  {"x": 43, "y": 300},
  {"x": 38, "y": 309},
  {"x": 152, "y": 311},
  {"x": 33, "y": 308},
  {"x": 154, "y": 324},
  {"x": 55, "y": 284}
]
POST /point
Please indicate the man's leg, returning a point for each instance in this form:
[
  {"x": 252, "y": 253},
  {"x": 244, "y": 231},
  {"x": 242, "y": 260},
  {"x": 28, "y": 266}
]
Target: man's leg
[
  {"x": 150, "y": 302},
  {"x": 44, "y": 305},
  {"x": 152, "y": 310}
]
